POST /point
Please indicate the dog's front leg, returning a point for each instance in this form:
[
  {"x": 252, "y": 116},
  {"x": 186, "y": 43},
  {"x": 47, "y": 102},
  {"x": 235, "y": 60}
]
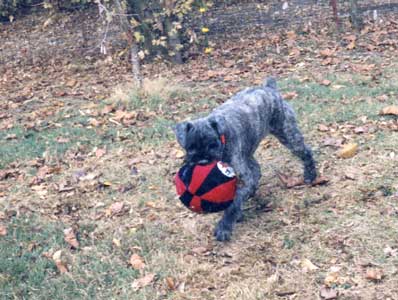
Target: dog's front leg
[{"x": 233, "y": 213}]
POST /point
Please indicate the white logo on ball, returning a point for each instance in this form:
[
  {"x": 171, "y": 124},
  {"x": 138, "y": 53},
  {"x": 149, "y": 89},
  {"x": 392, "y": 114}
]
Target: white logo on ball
[{"x": 225, "y": 169}]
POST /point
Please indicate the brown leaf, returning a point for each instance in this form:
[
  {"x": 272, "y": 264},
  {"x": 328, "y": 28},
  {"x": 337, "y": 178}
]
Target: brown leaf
[
  {"x": 137, "y": 262},
  {"x": 351, "y": 45},
  {"x": 3, "y": 230},
  {"x": 107, "y": 109},
  {"x": 290, "y": 182},
  {"x": 348, "y": 150},
  {"x": 59, "y": 261},
  {"x": 143, "y": 281},
  {"x": 374, "y": 274},
  {"x": 70, "y": 238},
  {"x": 115, "y": 209},
  {"x": 327, "y": 293},
  {"x": 333, "y": 142},
  {"x": 179, "y": 154},
  {"x": 71, "y": 83},
  {"x": 170, "y": 283},
  {"x": 323, "y": 128},
  {"x": 326, "y": 82},
  {"x": 326, "y": 52},
  {"x": 100, "y": 152},
  {"x": 320, "y": 180},
  {"x": 4, "y": 174},
  {"x": 390, "y": 110},
  {"x": 290, "y": 95},
  {"x": 94, "y": 122},
  {"x": 199, "y": 250},
  {"x": 307, "y": 265},
  {"x": 360, "y": 129}
]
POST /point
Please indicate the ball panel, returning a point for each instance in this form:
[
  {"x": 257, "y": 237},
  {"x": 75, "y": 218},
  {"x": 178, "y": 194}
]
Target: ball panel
[
  {"x": 195, "y": 204},
  {"x": 185, "y": 174},
  {"x": 211, "y": 207},
  {"x": 180, "y": 185},
  {"x": 221, "y": 193},
  {"x": 186, "y": 198},
  {"x": 214, "y": 179},
  {"x": 200, "y": 174}
]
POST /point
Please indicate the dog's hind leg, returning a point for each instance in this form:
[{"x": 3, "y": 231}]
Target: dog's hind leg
[
  {"x": 256, "y": 171},
  {"x": 288, "y": 133}
]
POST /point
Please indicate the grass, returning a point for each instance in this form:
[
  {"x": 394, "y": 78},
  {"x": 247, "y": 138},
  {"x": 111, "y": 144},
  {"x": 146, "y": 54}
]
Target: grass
[
  {"x": 355, "y": 97},
  {"x": 333, "y": 226},
  {"x": 98, "y": 270}
]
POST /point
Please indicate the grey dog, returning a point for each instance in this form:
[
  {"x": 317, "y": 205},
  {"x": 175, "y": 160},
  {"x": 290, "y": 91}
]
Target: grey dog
[{"x": 232, "y": 132}]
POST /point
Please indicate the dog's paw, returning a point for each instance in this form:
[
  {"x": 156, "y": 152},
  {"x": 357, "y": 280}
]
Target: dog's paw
[
  {"x": 309, "y": 176},
  {"x": 222, "y": 232}
]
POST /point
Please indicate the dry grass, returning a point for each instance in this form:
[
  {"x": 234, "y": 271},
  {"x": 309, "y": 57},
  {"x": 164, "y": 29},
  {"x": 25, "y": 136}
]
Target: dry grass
[{"x": 343, "y": 228}]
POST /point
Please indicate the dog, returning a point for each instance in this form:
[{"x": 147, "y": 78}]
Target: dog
[{"x": 232, "y": 132}]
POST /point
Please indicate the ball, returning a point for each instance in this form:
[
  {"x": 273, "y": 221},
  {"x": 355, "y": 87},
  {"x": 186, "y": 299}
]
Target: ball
[{"x": 206, "y": 188}]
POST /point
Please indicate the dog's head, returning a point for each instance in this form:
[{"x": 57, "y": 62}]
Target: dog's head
[{"x": 203, "y": 139}]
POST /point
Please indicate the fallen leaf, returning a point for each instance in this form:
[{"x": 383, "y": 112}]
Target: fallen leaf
[
  {"x": 360, "y": 129},
  {"x": 327, "y": 293},
  {"x": 199, "y": 250},
  {"x": 326, "y": 82},
  {"x": 99, "y": 153},
  {"x": 170, "y": 283},
  {"x": 331, "y": 279},
  {"x": 179, "y": 154},
  {"x": 290, "y": 95},
  {"x": 59, "y": 261},
  {"x": 117, "y": 243},
  {"x": 323, "y": 128},
  {"x": 333, "y": 142},
  {"x": 115, "y": 209},
  {"x": 94, "y": 122},
  {"x": 348, "y": 150},
  {"x": 326, "y": 52},
  {"x": 143, "y": 281},
  {"x": 374, "y": 274},
  {"x": 71, "y": 83},
  {"x": 137, "y": 262},
  {"x": 290, "y": 182},
  {"x": 70, "y": 238},
  {"x": 3, "y": 230},
  {"x": 351, "y": 45},
  {"x": 307, "y": 265},
  {"x": 390, "y": 110},
  {"x": 320, "y": 180},
  {"x": 107, "y": 109}
]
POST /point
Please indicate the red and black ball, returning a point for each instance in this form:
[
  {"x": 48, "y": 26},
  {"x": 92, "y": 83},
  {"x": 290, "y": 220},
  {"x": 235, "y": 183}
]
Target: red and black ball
[{"x": 206, "y": 188}]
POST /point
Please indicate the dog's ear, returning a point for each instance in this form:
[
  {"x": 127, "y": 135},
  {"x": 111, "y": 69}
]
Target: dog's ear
[
  {"x": 218, "y": 123},
  {"x": 181, "y": 130}
]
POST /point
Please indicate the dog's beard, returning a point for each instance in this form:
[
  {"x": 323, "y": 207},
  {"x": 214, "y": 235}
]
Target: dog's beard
[
  {"x": 203, "y": 148},
  {"x": 201, "y": 140}
]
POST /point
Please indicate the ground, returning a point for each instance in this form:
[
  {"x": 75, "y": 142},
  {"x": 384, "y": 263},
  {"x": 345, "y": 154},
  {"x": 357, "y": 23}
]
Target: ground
[{"x": 87, "y": 204}]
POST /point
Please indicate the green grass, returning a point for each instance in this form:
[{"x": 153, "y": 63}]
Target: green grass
[
  {"x": 29, "y": 144},
  {"x": 98, "y": 269},
  {"x": 356, "y": 97}
]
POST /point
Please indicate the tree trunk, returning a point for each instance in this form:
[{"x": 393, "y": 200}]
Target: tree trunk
[
  {"x": 333, "y": 4},
  {"x": 356, "y": 17},
  {"x": 174, "y": 41},
  {"x": 135, "y": 61}
]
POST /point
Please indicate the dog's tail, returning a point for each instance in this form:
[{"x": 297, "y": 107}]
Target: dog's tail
[{"x": 270, "y": 82}]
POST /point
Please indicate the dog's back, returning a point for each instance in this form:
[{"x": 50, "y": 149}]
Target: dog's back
[{"x": 252, "y": 110}]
